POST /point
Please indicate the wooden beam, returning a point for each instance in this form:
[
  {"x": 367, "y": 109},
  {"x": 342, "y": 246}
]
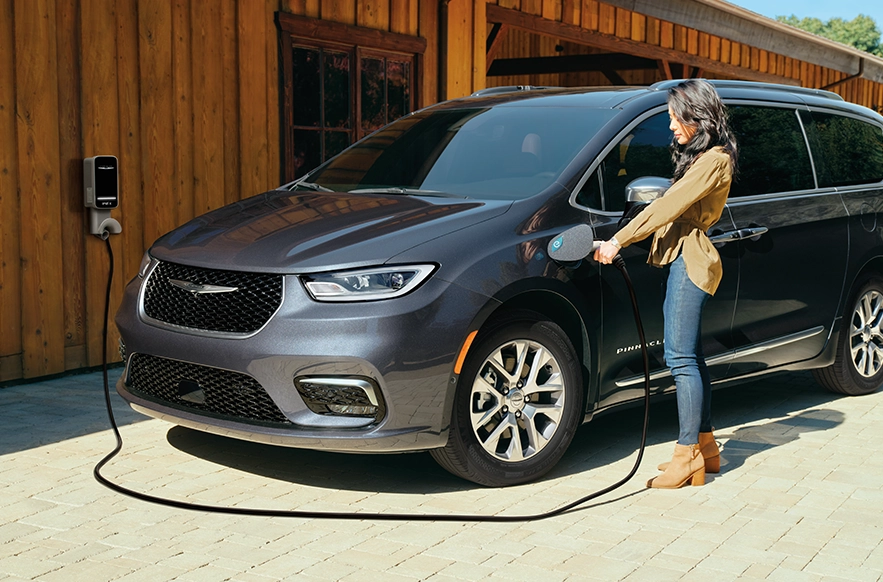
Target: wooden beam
[
  {"x": 494, "y": 42},
  {"x": 664, "y": 69},
  {"x": 609, "y": 42},
  {"x": 569, "y": 64},
  {"x": 493, "y": 36},
  {"x": 328, "y": 30}
]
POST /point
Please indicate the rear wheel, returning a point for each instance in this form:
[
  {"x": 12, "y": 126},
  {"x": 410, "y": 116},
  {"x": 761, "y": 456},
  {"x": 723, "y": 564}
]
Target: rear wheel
[
  {"x": 518, "y": 403},
  {"x": 858, "y": 367}
]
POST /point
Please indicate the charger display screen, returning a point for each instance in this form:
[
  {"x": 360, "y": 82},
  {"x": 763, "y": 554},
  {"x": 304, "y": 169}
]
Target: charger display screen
[{"x": 106, "y": 182}]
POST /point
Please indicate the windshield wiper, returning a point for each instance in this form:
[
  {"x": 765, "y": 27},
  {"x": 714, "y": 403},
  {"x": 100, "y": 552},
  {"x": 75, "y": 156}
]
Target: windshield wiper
[
  {"x": 314, "y": 187},
  {"x": 402, "y": 190}
]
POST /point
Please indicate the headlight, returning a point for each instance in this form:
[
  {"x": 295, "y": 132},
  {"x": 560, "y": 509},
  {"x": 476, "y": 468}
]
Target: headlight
[
  {"x": 145, "y": 265},
  {"x": 367, "y": 284}
]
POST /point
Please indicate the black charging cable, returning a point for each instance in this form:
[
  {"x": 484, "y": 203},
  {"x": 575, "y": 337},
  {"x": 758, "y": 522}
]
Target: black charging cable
[{"x": 617, "y": 262}]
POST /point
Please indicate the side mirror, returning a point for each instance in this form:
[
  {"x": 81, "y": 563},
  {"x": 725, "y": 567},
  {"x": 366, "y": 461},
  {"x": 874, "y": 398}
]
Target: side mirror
[
  {"x": 640, "y": 192},
  {"x": 647, "y": 189}
]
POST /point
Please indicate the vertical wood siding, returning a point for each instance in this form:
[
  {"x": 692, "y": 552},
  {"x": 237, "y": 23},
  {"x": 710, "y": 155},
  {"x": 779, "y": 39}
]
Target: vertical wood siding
[
  {"x": 10, "y": 208},
  {"x": 39, "y": 176}
]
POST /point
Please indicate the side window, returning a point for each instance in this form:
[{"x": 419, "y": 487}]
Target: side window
[
  {"x": 847, "y": 150},
  {"x": 590, "y": 194},
  {"x": 643, "y": 152},
  {"x": 772, "y": 151}
]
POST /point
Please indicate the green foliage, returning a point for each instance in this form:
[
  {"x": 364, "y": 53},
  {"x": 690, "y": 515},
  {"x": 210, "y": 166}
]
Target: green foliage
[{"x": 860, "y": 32}]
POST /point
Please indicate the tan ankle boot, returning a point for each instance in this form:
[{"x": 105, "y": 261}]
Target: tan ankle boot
[
  {"x": 710, "y": 452},
  {"x": 686, "y": 464}
]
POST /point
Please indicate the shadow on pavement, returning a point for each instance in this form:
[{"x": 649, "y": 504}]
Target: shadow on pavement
[
  {"x": 750, "y": 440},
  {"x": 52, "y": 411},
  {"x": 786, "y": 400}
]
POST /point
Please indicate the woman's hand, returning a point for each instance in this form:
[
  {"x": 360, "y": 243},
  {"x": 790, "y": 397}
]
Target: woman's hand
[{"x": 604, "y": 254}]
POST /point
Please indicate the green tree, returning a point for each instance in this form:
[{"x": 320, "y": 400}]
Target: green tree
[{"x": 860, "y": 32}]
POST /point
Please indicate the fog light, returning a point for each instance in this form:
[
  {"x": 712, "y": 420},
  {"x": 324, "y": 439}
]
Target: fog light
[
  {"x": 352, "y": 410},
  {"x": 341, "y": 396}
]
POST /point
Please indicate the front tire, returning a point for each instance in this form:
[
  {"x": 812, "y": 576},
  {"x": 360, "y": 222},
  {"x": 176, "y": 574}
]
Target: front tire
[
  {"x": 518, "y": 403},
  {"x": 858, "y": 367}
]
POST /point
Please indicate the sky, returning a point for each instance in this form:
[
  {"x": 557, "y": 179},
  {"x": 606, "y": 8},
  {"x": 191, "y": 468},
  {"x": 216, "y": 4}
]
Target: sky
[{"x": 821, "y": 9}]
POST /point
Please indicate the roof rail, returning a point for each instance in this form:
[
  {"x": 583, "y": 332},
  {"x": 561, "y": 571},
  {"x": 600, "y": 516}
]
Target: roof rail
[
  {"x": 508, "y": 89},
  {"x": 665, "y": 85}
]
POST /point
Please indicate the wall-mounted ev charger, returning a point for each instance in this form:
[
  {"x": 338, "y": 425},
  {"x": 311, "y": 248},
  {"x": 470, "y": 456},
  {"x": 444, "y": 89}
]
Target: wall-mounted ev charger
[{"x": 101, "y": 193}]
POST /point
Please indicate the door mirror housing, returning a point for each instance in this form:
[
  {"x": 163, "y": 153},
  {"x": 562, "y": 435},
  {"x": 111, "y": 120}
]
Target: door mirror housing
[
  {"x": 640, "y": 192},
  {"x": 645, "y": 190}
]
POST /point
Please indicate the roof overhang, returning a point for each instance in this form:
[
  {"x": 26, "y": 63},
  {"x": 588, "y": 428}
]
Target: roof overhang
[{"x": 744, "y": 26}]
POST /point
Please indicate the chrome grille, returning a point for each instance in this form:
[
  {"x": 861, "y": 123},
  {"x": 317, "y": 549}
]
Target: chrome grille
[
  {"x": 221, "y": 392},
  {"x": 257, "y": 297}
]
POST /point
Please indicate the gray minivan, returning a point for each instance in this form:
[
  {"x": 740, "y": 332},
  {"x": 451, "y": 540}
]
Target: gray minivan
[{"x": 399, "y": 297}]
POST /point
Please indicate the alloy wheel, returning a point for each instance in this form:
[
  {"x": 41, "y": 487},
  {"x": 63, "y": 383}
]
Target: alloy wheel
[
  {"x": 517, "y": 400},
  {"x": 866, "y": 337}
]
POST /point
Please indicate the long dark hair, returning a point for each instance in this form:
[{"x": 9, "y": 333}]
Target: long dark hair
[{"x": 695, "y": 103}]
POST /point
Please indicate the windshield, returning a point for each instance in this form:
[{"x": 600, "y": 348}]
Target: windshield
[{"x": 503, "y": 152}]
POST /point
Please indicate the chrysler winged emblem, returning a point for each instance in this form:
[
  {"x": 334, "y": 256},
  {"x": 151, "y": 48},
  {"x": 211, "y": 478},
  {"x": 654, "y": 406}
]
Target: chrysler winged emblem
[{"x": 198, "y": 289}]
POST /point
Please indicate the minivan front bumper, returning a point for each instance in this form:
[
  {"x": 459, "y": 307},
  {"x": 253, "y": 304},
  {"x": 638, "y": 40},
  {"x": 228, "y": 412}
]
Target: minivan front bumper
[{"x": 404, "y": 347}]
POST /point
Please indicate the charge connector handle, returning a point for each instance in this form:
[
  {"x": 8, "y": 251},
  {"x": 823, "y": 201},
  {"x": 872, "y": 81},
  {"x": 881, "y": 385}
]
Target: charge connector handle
[{"x": 617, "y": 261}]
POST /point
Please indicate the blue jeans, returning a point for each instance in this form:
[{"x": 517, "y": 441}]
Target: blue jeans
[{"x": 682, "y": 311}]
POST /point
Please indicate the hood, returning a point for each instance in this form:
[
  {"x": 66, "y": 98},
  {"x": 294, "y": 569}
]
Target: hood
[{"x": 296, "y": 232}]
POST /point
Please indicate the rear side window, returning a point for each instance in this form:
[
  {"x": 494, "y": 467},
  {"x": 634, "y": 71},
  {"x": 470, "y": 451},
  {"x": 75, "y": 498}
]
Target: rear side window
[
  {"x": 772, "y": 151},
  {"x": 847, "y": 150}
]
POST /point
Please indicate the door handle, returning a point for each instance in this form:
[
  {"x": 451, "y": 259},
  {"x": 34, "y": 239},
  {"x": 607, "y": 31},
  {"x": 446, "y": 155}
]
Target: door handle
[
  {"x": 725, "y": 237},
  {"x": 753, "y": 232}
]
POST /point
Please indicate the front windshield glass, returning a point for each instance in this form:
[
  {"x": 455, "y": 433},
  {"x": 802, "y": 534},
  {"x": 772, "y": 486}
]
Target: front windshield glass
[{"x": 503, "y": 152}]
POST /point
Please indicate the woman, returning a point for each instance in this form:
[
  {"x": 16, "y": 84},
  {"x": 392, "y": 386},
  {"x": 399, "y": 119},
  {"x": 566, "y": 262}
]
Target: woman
[{"x": 704, "y": 155}]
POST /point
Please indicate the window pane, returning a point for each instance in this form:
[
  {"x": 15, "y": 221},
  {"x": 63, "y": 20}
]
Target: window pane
[
  {"x": 373, "y": 95},
  {"x": 505, "y": 152},
  {"x": 337, "y": 89},
  {"x": 335, "y": 142},
  {"x": 307, "y": 151},
  {"x": 772, "y": 151},
  {"x": 643, "y": 152},
  {"x": 590, "y": 194},
  {"x": 398, "y": 89},
  {"x": 847, "y": 151},
  {"x": 306, "y": 87}
]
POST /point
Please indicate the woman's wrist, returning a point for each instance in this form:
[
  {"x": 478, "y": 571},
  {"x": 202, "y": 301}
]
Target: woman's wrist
[{"x": 615, "y": 242}]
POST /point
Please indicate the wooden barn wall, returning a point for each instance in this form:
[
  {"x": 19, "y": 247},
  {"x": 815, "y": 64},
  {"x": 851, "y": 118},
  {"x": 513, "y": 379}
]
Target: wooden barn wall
[
  {"x": 184, "y": 92},
  {"x": 620, "y": 23}
]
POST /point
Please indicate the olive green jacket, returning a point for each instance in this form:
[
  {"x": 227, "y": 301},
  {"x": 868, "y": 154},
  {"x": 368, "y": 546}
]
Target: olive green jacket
[{"x": 679, "y": 220}]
